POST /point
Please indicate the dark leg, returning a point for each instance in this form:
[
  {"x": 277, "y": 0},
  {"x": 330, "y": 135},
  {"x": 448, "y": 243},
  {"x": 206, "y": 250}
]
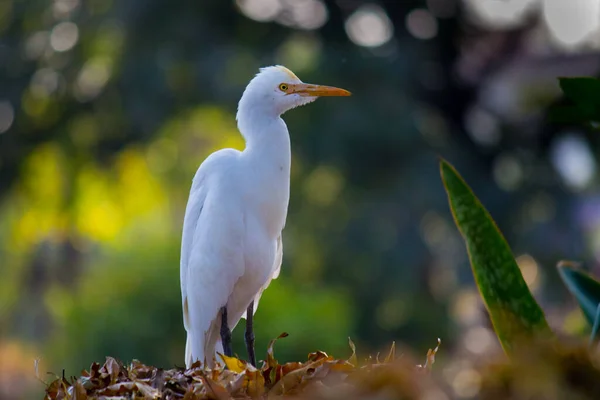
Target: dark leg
[
  {"x": 250, "y": 334},
  {"x": 225, "y": 333}
]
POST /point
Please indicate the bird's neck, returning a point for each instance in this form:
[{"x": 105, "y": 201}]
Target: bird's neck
[
  {"x": 267, "y": 159},
  {"x": 267, "y": 138}
]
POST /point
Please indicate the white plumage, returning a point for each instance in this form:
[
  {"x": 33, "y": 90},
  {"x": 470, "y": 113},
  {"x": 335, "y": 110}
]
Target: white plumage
[{"x": 231, "y": 247}]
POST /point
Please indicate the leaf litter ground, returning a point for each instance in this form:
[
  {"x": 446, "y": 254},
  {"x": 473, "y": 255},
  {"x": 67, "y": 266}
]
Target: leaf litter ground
[{"x": 319, "y": 377}]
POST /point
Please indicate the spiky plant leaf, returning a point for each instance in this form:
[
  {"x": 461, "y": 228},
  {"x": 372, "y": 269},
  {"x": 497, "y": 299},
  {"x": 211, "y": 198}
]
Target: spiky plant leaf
[{"x": 515, "y": 314}]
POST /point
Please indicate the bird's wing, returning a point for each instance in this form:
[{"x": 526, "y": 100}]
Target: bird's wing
[
  {"x": 212, "y": 252},
  {"x": 278, "y": 258},
  {"x": 276, "y": 271},
  {"x": 190, "y": 221}
]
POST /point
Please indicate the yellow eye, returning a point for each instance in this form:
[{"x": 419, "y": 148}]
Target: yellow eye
[{"x": 283, "y": 87}]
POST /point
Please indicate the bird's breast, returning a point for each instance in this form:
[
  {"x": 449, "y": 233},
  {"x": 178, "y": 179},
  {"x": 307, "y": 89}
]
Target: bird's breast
[{"x": 269, "y": 191}]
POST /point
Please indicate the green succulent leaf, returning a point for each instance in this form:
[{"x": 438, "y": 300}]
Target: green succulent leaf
[
  {"x": 582, "y": 90},
  {"x": 584, "y": 96},
  {"x": 573, "y": 114},
  {"x": 515, "y": 314},
  {"x": 583, "y": 286},
  {"x": 596, "y": 328}
]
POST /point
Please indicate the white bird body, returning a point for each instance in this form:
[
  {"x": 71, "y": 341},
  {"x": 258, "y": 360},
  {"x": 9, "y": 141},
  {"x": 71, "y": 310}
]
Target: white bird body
[{"x": 231, "y": 245}]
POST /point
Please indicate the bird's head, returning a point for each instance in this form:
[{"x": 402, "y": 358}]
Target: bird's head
[{"x": 276, "y": 90}]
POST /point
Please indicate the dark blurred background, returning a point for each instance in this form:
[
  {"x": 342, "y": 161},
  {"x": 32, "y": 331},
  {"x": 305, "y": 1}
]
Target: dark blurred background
[{"x": 108, "y": 107}]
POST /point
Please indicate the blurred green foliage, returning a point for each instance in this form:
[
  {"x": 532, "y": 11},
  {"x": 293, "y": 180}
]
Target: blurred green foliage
[{"x": 108, "y": 107}]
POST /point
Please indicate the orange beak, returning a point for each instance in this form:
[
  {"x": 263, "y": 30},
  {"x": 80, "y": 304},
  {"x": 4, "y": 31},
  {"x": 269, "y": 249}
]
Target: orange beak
[{"x": 307, "y": 89}]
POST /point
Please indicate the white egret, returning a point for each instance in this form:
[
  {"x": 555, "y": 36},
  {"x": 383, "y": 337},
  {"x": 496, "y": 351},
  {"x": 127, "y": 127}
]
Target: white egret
[{"x": 231, "y": 247}]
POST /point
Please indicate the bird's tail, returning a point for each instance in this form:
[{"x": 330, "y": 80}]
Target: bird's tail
[
  {"x": 205, "y": 351},
  {"x": 219, "y": 349},
  {"x": 188, "y": 351}
]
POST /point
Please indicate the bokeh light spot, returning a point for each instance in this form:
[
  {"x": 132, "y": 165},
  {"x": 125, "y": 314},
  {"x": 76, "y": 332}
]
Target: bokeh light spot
[
  {"x": 64, "y": 36},
  {"x": 36, "y": 45},
  {"x": 369, "y": 26},
  {"x": 421, "y": 24},
  {"x": 260, "y": 10},
  {"x": 529, "y": 270},
  {"x": 482, "y": 127},
  {"x": 304, "y": 14},
  {"x": 466, "y": 383},
  {"x": 574, "y": 161},
  {"x": 300, "y": 52},
  {"x": 465, "y": 306},
  {"x": 499, "y": 14},
  {"x": 7, "y": 115},
  {"x": 92, "y": 78},
  {"x": 572, "y": 21},
  {"x": 478, "y": 340},
  {"x": 44, "y": 82},
  {"x": 569, "y": 23},
  {"x": 63, "y": 8},
  {"x": 323, "y": 185},
  {"x": 508, "y": 172}
]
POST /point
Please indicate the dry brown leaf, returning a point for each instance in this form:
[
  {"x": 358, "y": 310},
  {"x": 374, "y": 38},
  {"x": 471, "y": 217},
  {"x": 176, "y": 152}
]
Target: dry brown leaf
[
  {"x": 255, "y": 384},
  {"x": 321, "y": 374},
  {"x": 190, "y": 394},
  {"x": 57, "y": 389},
  {"x": 430, "y": 357},
  {"x": 235, "y": 385},
  {"x": 291, "y": 366},
  {"x": 214, "y": 389},
  {"x": 148, "y": 391},
  {"x": 291, "y": 382},
  {"x": 113, "y": 369},
  {"x": 319, "y": 355},
  {"x": 118, "y": 388},
  {"x": 95, "y": 371},
  {"x": 271, "y": 361},
  {"x": 392, "y": 354},
  {"x": 341, "y": 366},
  {"x": 79, "y": 392},
  {"x": 353, "y": 359}
]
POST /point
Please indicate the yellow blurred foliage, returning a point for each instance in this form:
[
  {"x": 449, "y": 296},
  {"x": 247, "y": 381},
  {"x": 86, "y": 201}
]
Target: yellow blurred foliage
[
  {"x": 200, "y": 131},
  {"x": 108, "y": 202},
  {"x": 104, "y": 202},
  {"x": 39, "y": 197}
]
